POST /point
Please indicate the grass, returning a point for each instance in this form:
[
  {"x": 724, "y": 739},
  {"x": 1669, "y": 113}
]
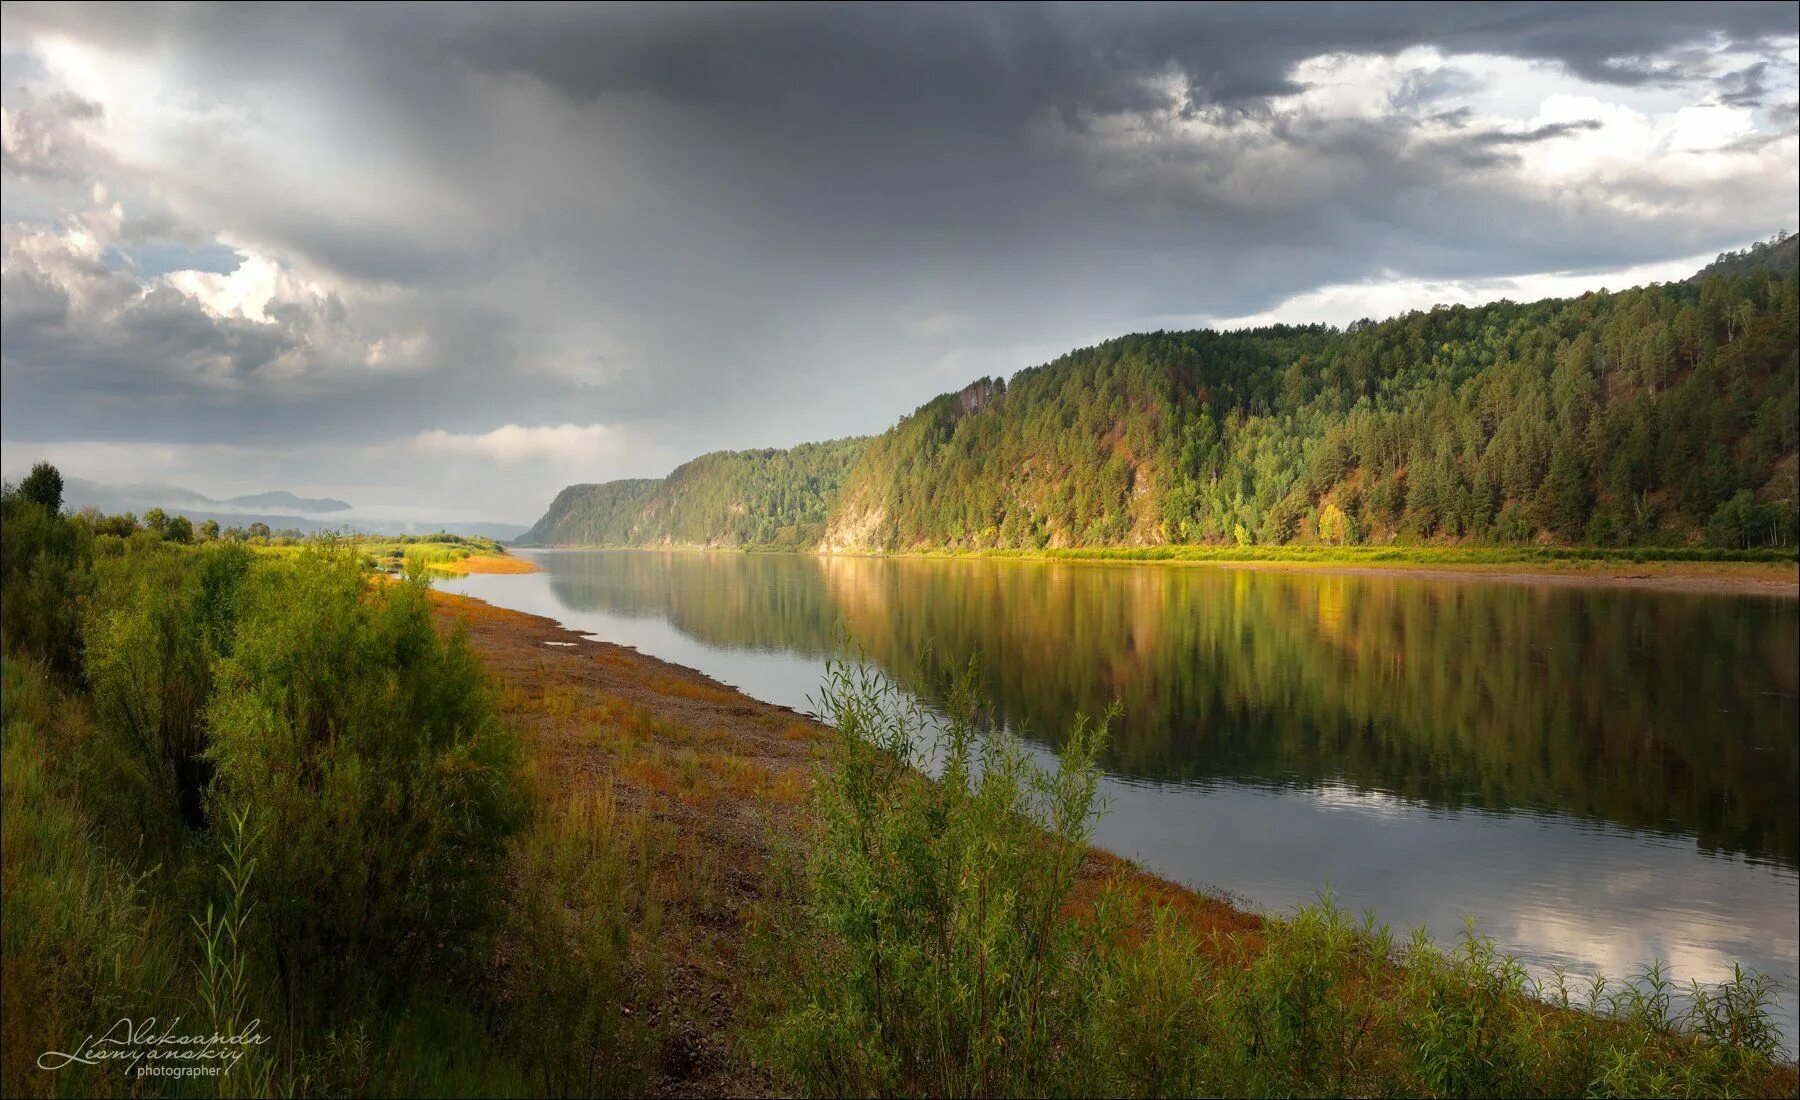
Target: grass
[
  {"x": 568, "y": 976},
  {"x": 1394, "y": 555},
  {"x": 84, "y": 938},
  {"x": 440, "y": 554},
  {"x": 690, "y": 689}
]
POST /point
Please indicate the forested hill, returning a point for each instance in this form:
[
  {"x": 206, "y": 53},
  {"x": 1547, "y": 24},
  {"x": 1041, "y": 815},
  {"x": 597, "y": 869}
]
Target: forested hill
[
  {"x": 727, "y": 498},
  {"x": 1659, "y": 415},
  {"x": 1779, "y": 255},
  {"x": 1639, "y": 416}
]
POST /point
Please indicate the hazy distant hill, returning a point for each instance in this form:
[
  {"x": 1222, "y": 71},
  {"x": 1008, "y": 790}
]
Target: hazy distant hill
[
  {"x": 728, "y": 498},
  {"x": 138, "y": 497},
  {"x": 280, "y": 509},
  {"x": 282, "y": 499},
  {"x": 1662, "y": 414},
  {"x": 80, "y": 493},
  {"x": 596, "y": 514}
]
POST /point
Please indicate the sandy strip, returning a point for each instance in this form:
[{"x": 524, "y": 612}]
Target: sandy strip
[{"x": 1717, "y": 578}]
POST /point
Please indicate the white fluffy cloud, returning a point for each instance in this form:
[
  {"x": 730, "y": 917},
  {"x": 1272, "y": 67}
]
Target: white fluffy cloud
[
  {"x": 1372, "y": 130},
  {"x": 1345, "y": 303},
  {"x": 70, "y": 287}
]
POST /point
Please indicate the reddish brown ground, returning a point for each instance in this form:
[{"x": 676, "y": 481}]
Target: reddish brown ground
[{"x": 489, "y": 563}]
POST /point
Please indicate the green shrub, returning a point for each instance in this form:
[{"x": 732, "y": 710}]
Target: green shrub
[
  {"x": 946, "y": 965},
  {"x": 1293, "y": 1028},
  {"x": 44, "y": 560},
  {"x": 1466, "y": 1026},
  {"x": 1151, "y": 1029},
  {"x": 382, "y": 782},
  {"x": 162, "y": 620},
  {"x": 271, "y": 791}
]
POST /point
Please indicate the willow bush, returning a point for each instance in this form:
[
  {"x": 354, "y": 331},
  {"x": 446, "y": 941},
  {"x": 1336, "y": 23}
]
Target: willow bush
[
  {"x": 936, "y": 939},
  {"x": 370, "y": 753}
]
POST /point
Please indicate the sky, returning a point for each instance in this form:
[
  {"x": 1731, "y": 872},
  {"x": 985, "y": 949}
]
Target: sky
[{"x": 448, "y": 259}]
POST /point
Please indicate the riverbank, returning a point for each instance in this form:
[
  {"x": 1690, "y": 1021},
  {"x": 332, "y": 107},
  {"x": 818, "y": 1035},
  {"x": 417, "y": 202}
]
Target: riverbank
[
  {"x": 721, "y": 780},
  {"x": 486, "y": 563},
  {"x": 1774, "y": 579},
  {"x": 719, "y": 776},
  {"x": 1699, "y": 571},
  {"x": 441, "y": 554}
]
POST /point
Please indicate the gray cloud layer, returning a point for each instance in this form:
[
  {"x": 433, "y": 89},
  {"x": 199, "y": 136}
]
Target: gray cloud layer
[{"x": 706, "y": 226}]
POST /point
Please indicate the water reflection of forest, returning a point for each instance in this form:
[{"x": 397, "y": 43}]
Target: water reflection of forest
[{"x": 1650, "y": 710}]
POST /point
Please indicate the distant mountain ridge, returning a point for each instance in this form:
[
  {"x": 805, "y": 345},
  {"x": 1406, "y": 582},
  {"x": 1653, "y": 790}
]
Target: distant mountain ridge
[
  {"x": 280, "y": 509},
  {"x": 140, "y": 496},
  {"x": 282, "y": 499},
  {"x": 1657, "y": 415}
]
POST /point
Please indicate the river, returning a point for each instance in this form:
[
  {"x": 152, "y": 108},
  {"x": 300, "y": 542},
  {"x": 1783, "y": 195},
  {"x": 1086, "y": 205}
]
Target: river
[{"x": 1600, "y": 777}]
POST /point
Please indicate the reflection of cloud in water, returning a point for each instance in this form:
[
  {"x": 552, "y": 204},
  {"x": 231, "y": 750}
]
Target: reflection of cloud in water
[
  {"x": 1555, "y": 891},
  {"x": 1349, "y": 800}
]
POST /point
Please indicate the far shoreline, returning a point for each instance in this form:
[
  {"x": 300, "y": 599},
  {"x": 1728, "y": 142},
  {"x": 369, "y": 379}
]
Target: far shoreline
[
  {"x": 486, "y": 563},
  {"x": 1696, "y": 575}
]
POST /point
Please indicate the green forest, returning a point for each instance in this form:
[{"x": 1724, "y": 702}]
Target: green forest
[
  {"x": 1657, "y": 416},
  {"x": 766, "y": 498}
]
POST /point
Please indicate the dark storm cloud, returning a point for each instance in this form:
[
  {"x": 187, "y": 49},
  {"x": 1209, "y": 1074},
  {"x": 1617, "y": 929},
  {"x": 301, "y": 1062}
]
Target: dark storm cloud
[
  {"x": 756, "y": 224},
  {"x": 1545, "y": 132},
  {"x": 1746, "y": 87},
  {"x": 915, "y": 117},
  {"x": 366, "y": 250},
  {"x": 1487, "y": 148},
  {"x": 970, "y": 65}
]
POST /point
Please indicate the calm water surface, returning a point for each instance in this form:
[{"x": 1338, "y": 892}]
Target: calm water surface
[{"x": 1601, "y": 777}]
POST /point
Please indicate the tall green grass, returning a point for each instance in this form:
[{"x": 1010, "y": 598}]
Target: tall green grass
[
  {"x": 569, "y": 978},
  {"x": 82, "y": 936},
  {"x": 226, "y": 958}
]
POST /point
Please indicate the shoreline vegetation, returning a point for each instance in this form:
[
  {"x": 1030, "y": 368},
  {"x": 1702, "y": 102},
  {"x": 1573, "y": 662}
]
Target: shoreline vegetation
[
  {"x": 427, "y": 846},
  {"x": 1764, "y": 573},
  {"x": 487, "y": 563},
  {"x": 441, "y": 554}
]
